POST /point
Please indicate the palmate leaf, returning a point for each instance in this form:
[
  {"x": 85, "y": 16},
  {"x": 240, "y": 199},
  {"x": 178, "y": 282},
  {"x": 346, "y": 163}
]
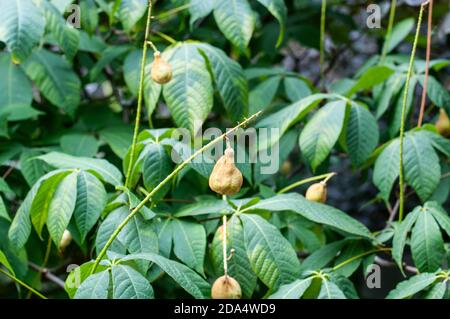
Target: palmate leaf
[
  {"x": 230, "y": 81},
  {"x": 119, "y": 138},
  {"x": 130, "y": 11},
  {"x": 262, "y": 95},
  {"x": 389, "y": 90},
  {"x": 199, "y": 9},
  {"x": 31, "y": 167},
  {"x": 396, "y": 115},
  {"x": 437, "y": 291},
  {"x": 61, "y": 207},
  {"x": 79, "y": 144},
  {"x": 21, "y": 27},
  {"x": 293, "y": 290},
  {"x": 155, "y": 168},
  {"x": 316, "y": 212},
  {"x": 55, "y": 79},
  {"x": 321, "y": 132},
  {"x": 129, "y": 284},
  {"x": 90, "y": 202},
  {"x": 373, "y": 76},
  {"x": 189, "y": 243},
  {"x": 386, "y": 169},
  {"x": 440, "y": 215},
  {"x": 400, "y": 235},
  {"x": 362, "y": 134},
  {"x": 236, "y": 20},
  {"x": 330, "y": 290},
  {"x": 412, "y": 286},
  {"x": 99, "y": 167},
  {"x": 188, "y": 279},
  {"x": 271, "y": 256},
  {"x": 95, "y": 286},
  {"x": 427, "y": 245},
  {"x": 238, "y": 266},
  {"x": 189, "y": 95}
]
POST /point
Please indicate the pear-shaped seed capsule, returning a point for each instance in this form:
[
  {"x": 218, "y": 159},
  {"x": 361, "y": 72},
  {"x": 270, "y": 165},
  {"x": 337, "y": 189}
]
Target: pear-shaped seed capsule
[
  {"x": 226, "y": 287},
  {"x": 443, "y": 124},
  {"x": 226, "y": 179},
  {"x": 317, "y": 192},
  {"x": 161, "y": 70}
]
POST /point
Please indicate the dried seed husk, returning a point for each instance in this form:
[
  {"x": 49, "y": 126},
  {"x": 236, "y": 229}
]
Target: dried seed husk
[
  {"x": 317, "y": 192},
  {"x": 161, "y": 70},
  {"x": 226, "y": 179},
  {"x": 226, "y": 287}
]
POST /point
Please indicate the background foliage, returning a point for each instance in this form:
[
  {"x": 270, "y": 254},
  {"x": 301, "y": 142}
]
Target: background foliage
[{"x": 68, "y": 101}]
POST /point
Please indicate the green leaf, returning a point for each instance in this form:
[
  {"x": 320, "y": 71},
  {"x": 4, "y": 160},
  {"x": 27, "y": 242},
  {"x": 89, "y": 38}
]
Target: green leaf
[
  {"x": 90, "y": 202},
  {"x": 436, "y": 93},
  {"x": 386, "y": 169},
  {"x": 31, "y": 167},
  {"x": 61, "y": 207},
  {"x": 412, "y": 286},
  {"x": 79, "y": 144},
  {"x": 271, "y": 256},
  {"x": 66, "y": 36},
  {"x": 78, "y": 275},
  {"x": 401, "y": 232},
  {"x": 351, "y": 250},
  {"x": 41, "y": 202},
  {"x": 238, "y": 266},
  {"x": 316, "y": 212},
  {"x": 3, "y": 211},
  {"x": 119, "y": 138},
  {"x": 131, "y": 11},
  {"x": 131, "y": 72},
  {"x": 390, "y": 89},
  {"x": 189, "y": 243},
  {"x": 95, "y": 286},
  {"x": 293, "y": 290},
  {"x": 189, "y": 95},
  {"x": 4, "y": 261},
  {"x": 129, "y": 284},
  {"x": 108, "y": 55},
  {"x": 296, "y": 88},
  {"x": 437, "y": 291},
  {"x": 399, "y": 33},
  {"x": 156, "y": 167},
  {"x": 89, "y": 20},
  {"x": 362, "y": 134},
  {"x": 423, "y": 173},
  {"x": 373, "y": 76},
  {"x": 262, "y": 95},
  {"x": 229, "y": 79},
  {"x": 321, "y": 132},
  {"x": 396, "y": 115},
  {"x": 15, "y": 88},
  {"x": 21, "y": 26},
  {"x": 427, "y": 245},
  {"x": 236, "y": 21},
  {"x": 199, "y": 9},
  {"x": 330, "y": 290},
  {"x": 286, "y": 117},
  {"x": 439, "y": 214},
  {"x": 55, "y": 79},
  {"x": 204, "y": 207},
  {"x": 107, "y": 172},
  {"x": 321, "y": 257},
  {"x": 278, "y": 9},
  {"x": 184, "y": 276}
]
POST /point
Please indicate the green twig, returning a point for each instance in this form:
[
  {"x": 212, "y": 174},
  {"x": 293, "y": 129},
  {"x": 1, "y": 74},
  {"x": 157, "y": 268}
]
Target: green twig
[
  {"x": 389, "y": 30},
  {"x": 160, "y": 185},
  {"x": 20, "y": 282},
  {"x": 373, "y": 251},
  {"x": 140, "y": 95},
  {"x": 325, "y": 177},
  {"x": 402, "y": 123}
]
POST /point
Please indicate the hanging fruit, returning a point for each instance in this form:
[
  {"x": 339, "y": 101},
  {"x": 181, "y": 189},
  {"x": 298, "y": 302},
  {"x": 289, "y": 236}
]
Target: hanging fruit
[
  {"x": 226, "y": 287},
  {"x": 443, "y": 124},
  {"x": 317, "y": 192},
  {"x": 226, "y": 179},
  {"x": 161, "y": 70}
]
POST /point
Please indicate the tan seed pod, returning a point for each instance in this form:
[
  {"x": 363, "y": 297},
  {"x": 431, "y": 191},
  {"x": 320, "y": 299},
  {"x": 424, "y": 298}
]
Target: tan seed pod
[
  {"x": 161, "y": 70},
  {"x": 317, "y": 192},
  {"x": 286, "y": 168},
  {"x": 443, "y": 124},
  {"x": 66, "y": 239},
  {"x": 226, "y": 287},
  {"x": 226, "y": 179}
]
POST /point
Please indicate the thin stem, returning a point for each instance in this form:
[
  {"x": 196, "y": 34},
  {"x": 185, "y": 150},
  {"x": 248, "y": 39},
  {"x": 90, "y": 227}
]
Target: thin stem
[
  {"x": 373, "y": 251},
  {"x": 47, "y": 274},
  {"x": 20, "y": 282},
  {"x": 165, "y": 37},
  {"x": 224, "y": 245},
  {"x": 140, "y": 95},
  {"x": 389, "y": 30},
  {"x": 402, "y": 123},
  {"x": 324, "y": 177},
  {"x": 322, "y": 41},
  {"x": 173, "y": 11},
  {"x": 160, "y": 185},
  {"x": 427, "y": 62}
]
